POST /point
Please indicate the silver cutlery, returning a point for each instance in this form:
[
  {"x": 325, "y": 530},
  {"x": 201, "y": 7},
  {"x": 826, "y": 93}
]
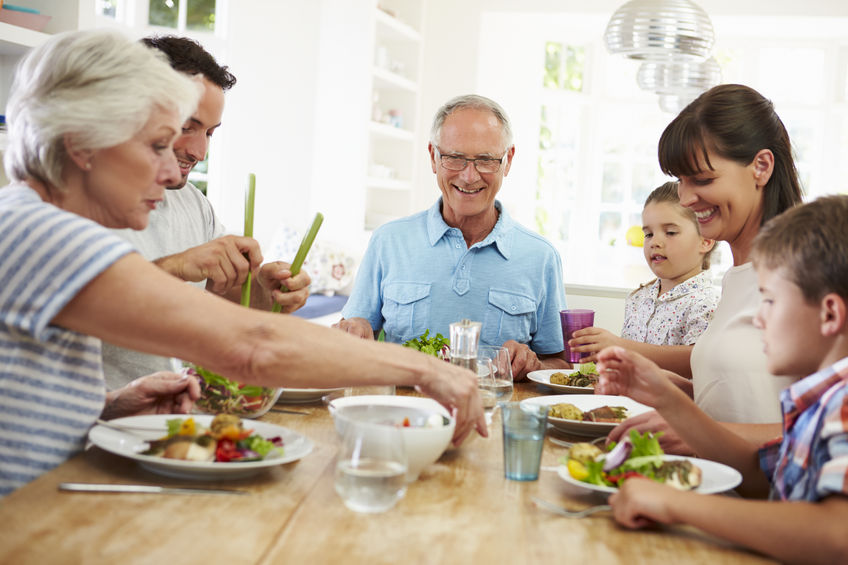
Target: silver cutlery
[
  {"x": 130, "y": 427},
  {"x": 143, "y": 489},
  {"x": 288, "y": 411},
  {"x": 564, "y": 443},
  {"x": 570, "y": 513}
]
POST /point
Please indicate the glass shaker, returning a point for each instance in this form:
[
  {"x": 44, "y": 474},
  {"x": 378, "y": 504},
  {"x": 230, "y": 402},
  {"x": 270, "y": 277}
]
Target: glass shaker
[{"x": 464, "y": 340}]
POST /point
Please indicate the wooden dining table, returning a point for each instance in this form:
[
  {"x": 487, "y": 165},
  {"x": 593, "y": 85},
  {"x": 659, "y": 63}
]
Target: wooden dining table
[{"x": 460, "y": 510}]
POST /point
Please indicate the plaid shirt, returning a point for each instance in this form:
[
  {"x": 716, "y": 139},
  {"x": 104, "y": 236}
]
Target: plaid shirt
[{"x": 811, "y": 461}]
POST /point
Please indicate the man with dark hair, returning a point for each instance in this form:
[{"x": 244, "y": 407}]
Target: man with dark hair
[{"x": 184, "y": 236}]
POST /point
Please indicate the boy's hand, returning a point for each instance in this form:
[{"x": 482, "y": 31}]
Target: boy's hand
[
  {"x": 652, "y": 422},
  {"x": 642, "y": 502},
  {"x": 592, "y": 340}
]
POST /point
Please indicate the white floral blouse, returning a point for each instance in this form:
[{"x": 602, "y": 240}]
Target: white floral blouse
[{"x": 678, "y": 317}]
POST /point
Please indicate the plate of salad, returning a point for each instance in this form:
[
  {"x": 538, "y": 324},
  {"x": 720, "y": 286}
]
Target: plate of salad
[
  {"x": 242, "y": 452},
  {"x": 568, "y": 381},
  {"x": 604, "y": 470}
]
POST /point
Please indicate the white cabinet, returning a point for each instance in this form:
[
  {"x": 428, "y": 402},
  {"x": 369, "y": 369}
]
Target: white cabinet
[
  {"x": 15, "y": 41},
  {"x": 395, "y": 140}
]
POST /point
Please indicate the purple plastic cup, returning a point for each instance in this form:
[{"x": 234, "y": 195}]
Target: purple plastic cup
[{"x": 573, "y": 320}]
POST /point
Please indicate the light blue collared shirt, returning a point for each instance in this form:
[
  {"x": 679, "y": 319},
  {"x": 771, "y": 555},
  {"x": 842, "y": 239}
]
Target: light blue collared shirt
[{"x": 418, "y": 274}]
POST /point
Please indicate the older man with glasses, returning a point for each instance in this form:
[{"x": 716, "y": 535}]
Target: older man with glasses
[{"x": 464, "y": 257}]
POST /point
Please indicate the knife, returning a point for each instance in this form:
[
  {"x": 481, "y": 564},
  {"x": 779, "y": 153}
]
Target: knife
[{"x": 146, "y": 489}]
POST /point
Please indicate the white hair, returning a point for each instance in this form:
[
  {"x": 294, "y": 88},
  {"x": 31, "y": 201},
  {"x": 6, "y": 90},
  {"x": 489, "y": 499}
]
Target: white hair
[
  {"x": 476, "y": 102},
  {"x": 97, "y": 89}
]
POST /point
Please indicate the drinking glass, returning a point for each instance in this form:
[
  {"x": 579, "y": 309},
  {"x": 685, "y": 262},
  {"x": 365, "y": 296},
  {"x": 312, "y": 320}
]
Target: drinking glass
[
  {"x": 501, "y": 371},
  {"x": 371, "y": 467},
  {"x": 573, "y": 320},
  {"x": 486, "y": 386},
  {"x": 523, "y": 439}
]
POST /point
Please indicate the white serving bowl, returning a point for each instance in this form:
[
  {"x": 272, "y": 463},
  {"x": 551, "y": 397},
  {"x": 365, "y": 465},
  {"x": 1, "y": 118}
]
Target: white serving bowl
[{"x": 424, "y": 445}]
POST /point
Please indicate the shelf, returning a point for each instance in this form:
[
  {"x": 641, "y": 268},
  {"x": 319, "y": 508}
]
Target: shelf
[
  {"x": 387, "y": 79},
  {"x": 396, "y": 29},
  {"x": 16, "y": 40},
  {"x": 390, "y": 131},
  {"x": 388, "y": 184}
]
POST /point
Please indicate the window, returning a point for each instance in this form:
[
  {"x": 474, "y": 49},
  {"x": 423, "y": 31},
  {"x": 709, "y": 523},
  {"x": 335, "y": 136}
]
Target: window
[
  {"x": 195, "y": 15},
  {"x": 595, "y": 139}
]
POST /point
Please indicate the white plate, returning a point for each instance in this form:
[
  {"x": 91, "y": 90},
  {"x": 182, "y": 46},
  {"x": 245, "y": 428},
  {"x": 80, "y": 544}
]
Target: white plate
[
  {"x": 130, "y": 444},
  {"x": 715, "y": 477},
  {"x": 304, "y": 395},
  {"x": 544, "y": 378},
  {"x": 587, "y": 402}
]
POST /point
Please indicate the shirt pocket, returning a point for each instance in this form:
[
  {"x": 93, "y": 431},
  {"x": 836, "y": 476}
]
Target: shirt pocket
[
  {"x": 406, "y": 309},
  {"x": 508, "y": 316}
]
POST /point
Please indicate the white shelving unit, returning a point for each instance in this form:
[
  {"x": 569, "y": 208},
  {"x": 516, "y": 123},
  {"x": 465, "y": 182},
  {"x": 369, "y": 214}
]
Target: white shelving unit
[
  {"x": 394, "y": 140},
  {"x": 15, "y": 41}
]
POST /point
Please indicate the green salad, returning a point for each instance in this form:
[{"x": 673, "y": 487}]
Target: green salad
[
  {"x": 438, "y": 346},
  {"x": 638, "y": 455}
]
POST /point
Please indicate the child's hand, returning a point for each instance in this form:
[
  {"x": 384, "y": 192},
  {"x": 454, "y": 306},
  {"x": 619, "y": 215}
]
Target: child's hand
[
  {"x": 626, "y": 372},
  {"x": 592, "y": 340},
  {"x": 643, "y": 502},
  {"x": 652, "y": 422}
]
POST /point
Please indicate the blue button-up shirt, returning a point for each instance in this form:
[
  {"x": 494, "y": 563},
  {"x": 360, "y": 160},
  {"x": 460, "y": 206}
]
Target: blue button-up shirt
[{"x": 418, "y": 274}]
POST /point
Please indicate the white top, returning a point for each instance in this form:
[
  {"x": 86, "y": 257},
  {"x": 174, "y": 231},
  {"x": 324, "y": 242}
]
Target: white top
[
  {"x": 51, "y": 385},
  {"x": 677, "y": 317},
  {"x": 729, "y": 371},
  {"x": 184, "y": 219}
]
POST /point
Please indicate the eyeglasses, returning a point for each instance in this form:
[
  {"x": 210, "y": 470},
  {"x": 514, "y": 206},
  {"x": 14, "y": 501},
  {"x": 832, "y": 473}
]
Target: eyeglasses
[{"x": 486, "y": 165}]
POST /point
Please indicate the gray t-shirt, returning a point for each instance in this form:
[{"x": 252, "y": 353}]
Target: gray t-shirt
[{"x": 183, "y": 220}]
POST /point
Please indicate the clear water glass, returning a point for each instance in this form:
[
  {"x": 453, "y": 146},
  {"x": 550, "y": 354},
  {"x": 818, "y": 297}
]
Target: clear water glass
[
  {"x": 501, "y": 370},
  {"x": 371, "y": 467},
  {"x": 523, "y": 440}
]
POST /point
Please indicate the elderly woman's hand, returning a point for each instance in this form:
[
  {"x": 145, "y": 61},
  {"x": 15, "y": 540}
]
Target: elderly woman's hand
[{"x": 160, "y": 393}]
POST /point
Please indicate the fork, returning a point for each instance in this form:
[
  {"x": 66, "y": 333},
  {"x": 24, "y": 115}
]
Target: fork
[
  {"x": 564, "y": 443},
  {"x": 570, "y": 513}
]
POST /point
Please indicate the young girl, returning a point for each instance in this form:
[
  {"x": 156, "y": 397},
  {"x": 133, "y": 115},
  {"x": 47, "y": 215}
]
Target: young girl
[{"x": 663, "y": 318}]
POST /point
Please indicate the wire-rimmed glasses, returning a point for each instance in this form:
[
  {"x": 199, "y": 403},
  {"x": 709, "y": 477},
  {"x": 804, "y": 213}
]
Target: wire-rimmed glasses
[{"x": 485, "y": 165}]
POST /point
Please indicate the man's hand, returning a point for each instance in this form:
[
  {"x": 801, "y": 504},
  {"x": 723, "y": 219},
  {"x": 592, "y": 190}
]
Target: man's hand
[
  {"x": 524, "y": 360},
  {"x": 359, "y": 327},
  {"x": 160, "y": 393},
  {"x": 289, "y": 291},
  {"x": 221, "y": 262}
]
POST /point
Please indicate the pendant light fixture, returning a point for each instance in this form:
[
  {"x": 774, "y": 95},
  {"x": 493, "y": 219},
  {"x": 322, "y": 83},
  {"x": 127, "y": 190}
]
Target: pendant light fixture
[{"x": 675, "y": 39}]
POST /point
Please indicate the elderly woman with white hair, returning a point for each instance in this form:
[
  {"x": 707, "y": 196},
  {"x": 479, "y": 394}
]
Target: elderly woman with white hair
[{"x": 92, "y": 120}]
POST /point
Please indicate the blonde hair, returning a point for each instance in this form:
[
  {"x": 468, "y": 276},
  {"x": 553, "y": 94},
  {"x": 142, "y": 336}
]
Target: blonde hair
[{"x": 97, "y": 89}]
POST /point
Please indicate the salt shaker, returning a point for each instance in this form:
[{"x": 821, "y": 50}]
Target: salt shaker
[{"x": 464, "y": 340}]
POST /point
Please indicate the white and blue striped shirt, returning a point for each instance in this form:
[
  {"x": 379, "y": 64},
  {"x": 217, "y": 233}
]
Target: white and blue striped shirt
[{"x": 51, "y": 380}]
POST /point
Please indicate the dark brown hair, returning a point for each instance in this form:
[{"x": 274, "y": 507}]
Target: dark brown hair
[
  {"x": 189, "y": 56},
  {"x": 667, "y": 192},
  {"x": 735, "y": 122},
  {"x": 811, "y": 244}
]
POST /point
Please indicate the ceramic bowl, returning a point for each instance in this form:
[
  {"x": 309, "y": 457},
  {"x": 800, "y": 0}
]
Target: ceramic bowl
[{"x": 426, "y": 437}]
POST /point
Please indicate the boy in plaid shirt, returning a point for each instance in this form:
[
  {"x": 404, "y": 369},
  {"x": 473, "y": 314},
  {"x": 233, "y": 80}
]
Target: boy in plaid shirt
[{"x": 801, "y": 258}]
